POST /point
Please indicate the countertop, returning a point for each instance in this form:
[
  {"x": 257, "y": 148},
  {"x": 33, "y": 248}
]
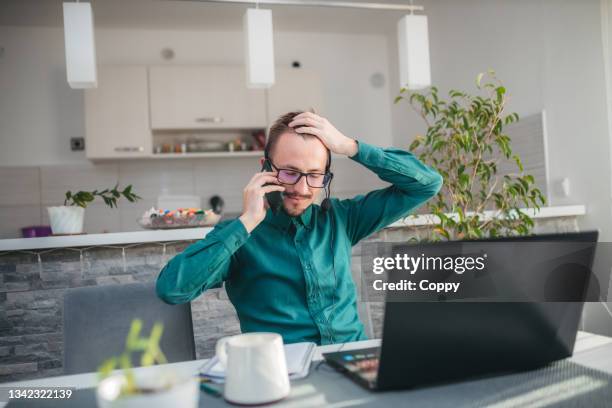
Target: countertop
[{"x": 111, "y": 238}]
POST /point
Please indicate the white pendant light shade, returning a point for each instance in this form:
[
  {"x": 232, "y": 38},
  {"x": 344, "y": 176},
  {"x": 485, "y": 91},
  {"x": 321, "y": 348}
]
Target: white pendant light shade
[
  {"x": 413, "y": 44},
  {"x": 80, "y": 47},
  {"x": 259, "y": 48}
]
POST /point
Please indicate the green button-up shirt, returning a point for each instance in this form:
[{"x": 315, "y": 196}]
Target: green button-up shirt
[{"x": 280, "y": 277}]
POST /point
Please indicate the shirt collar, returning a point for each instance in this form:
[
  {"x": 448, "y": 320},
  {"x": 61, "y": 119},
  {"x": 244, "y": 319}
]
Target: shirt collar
[
  {"x": 283, "y": 220},
  {"x": 306, "y": 217}
]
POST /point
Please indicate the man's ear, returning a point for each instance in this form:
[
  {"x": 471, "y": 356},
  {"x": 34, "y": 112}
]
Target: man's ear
[{"x": 261, "y": 161}]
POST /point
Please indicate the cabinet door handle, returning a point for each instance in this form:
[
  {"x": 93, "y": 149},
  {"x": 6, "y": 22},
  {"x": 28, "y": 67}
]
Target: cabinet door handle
[
  {"x": 127, "y": 149},
  {"x": 210, "y": 119}
]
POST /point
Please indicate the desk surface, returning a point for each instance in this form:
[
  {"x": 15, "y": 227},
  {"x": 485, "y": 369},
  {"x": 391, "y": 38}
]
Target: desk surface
[{"x": 326, "y": 387}]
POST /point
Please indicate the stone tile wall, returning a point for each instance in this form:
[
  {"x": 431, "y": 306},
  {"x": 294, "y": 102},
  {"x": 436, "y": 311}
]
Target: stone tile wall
[{"x": 31, "y": 301}]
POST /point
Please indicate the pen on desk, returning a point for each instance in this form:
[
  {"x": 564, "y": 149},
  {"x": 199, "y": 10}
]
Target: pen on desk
[{"x": 208, "y": 389}]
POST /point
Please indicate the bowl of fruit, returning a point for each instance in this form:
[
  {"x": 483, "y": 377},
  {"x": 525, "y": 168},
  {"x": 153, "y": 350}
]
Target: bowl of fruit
[{"x": 180, "y": 218}]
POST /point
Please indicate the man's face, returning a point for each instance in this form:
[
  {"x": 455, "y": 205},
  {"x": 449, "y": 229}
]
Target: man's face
[{"x": 305, "y": 154}]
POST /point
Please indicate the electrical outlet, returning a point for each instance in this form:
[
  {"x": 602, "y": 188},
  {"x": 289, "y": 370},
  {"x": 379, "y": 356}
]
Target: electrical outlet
[{"x": 77, "y": 143}]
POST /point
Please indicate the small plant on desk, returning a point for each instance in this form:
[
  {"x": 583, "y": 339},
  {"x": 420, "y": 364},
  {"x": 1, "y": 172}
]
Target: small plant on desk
[
  {"x": 151, "y": 353},
  {"x": 151, "y": 387}
]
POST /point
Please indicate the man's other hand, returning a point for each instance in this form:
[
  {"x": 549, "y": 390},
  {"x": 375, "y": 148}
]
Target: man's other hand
[
  {"x": 253, "y": 202},
  {"x": 332, "y": 138}
]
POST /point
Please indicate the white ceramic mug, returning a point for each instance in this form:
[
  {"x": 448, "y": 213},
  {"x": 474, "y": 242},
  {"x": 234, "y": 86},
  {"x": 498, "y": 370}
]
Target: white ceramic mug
[{"x": 255, "y": 368}]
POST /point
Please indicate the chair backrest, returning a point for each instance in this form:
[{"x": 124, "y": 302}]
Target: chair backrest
[
  {"x": 97, "y": 320},
  {"x": 363, "y": 308}
]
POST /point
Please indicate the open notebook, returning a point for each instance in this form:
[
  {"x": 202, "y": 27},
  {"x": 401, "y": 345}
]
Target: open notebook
[{"x": 299, "y": 356}]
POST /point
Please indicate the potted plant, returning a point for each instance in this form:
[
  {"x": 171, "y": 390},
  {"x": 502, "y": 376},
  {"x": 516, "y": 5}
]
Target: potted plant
[
  {"x": 68, "y": 218},
  {"x": 465, "y": 142},
  {"x": 151, "y": 388}
]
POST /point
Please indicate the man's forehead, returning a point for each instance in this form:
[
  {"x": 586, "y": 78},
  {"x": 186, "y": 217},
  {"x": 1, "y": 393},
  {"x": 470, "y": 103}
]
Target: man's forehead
[{"x": 300, "y": 152}]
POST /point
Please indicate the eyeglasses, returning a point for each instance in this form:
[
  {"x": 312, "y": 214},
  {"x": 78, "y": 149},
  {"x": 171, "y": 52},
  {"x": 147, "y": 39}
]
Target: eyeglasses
[{"x": 291, "y": 177}]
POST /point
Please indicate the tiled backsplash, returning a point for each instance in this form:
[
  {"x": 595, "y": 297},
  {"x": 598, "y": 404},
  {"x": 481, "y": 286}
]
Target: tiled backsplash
[{"x": 27, "y": 191}]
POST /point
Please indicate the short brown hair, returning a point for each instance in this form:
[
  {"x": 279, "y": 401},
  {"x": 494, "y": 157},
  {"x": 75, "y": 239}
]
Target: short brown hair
[{"x": 280, "y": 126}]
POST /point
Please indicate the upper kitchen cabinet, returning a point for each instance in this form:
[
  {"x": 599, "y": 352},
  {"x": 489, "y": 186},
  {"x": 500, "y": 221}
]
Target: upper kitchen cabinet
[
  {"x": 117, "y": 114},
  {"x": 294, "y": 89},
  {"x": 204, "y": 97}
]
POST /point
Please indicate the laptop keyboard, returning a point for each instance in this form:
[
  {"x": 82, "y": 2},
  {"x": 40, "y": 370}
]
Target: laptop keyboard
[{"x": 365, "y": 365}]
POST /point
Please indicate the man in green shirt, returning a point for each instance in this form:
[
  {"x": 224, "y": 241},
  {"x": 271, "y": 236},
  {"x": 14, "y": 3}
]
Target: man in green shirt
[{"x": 289, "y": 272}]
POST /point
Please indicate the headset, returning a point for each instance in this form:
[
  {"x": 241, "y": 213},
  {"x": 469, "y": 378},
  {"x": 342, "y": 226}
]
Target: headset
[{"x": 275, "y": 201}]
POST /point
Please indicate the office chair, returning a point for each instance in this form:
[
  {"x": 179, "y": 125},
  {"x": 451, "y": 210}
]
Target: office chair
[{"x": 97, "y": 320}]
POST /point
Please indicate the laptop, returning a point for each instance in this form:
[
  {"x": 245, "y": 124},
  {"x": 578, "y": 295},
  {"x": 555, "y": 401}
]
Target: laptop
[{"x": 435, "y": 339}]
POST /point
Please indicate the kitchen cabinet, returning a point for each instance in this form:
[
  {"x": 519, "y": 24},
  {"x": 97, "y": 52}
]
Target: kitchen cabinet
[
  {"x": 135, "y": 107},
  {"x": 294, "y": 89},
  {"x": 204, "y": 97},
  {"x": 117, "y": 114}
]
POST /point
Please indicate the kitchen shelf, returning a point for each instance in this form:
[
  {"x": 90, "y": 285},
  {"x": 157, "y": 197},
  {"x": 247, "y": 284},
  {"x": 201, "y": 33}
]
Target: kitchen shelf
[
  {"x": 212, "y": 155},
  {"x": 252, "y": 153}
]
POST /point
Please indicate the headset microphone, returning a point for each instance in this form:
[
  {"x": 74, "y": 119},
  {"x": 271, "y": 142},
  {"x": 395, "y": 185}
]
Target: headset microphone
[{"x": 326, "y": 203}]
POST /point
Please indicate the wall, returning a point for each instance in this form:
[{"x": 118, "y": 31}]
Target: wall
[{"x": 548, "y": 53}]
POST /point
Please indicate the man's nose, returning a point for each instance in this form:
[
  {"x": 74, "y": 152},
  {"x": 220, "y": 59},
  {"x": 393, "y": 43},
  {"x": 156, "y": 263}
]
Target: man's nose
[{"x": 302, "y": 186}]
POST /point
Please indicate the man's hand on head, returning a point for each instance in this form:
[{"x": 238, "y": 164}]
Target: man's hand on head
[{"x": 332, "y": 138}]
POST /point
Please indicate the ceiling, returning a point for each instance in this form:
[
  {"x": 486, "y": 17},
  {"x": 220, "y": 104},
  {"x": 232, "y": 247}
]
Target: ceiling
[{"x": 197, "y": 15}]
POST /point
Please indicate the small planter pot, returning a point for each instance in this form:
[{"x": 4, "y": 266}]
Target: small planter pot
[
  {"x": 66, "y": 219},
  {"x": 183, "y": 392}
]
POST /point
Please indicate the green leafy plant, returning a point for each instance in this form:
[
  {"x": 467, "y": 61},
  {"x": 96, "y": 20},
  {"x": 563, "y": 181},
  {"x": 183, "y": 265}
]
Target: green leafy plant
[
  {"x": 134, "y": 343},
  {"x": 110, "y": 196},
  {"x": 465, "y": 142}
]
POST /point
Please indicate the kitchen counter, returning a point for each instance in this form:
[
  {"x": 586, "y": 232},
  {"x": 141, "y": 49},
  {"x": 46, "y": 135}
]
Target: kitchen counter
[
  {"x": 112, "y": 238},
  {"x": 543, "y": 212},
  {"x": 186, "y": 234}
]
